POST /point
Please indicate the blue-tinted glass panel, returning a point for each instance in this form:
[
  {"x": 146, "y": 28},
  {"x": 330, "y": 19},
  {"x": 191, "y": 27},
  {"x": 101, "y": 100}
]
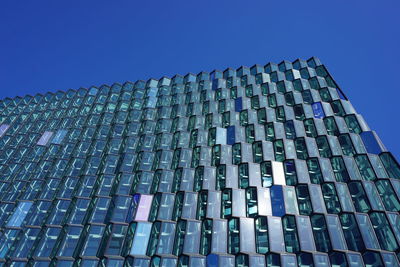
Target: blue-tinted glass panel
[
  {"x": 318, "y": 110},
  {"x": 230, "y": 135},
  {"x": 19, "y": 214},
  {"x": 238, "y": 104},
  {"x": 370, "y": 142},
  {"x": 277, "y": 201},
  {"x": 59, "y": 137},
  {"x": 141, "y": 239}
]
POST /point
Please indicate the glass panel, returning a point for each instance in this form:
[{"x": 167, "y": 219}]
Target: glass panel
[
  {"x": 331, "y": 199},
  {"x": 309, "y": 126},
  {"x": 351, "y": 232},
  {"x": 141, "y": 238},
  {"x": 331, "y": 126},
  {"x": 347, "y": 145},
  {"x": 3, "y": 129},
  {"x": 336, "y": 234},
  {"x": 317, "y": 199},
  {"x": 305, "y": 233},
  {"x": 365, "y": 167},
  {"x": 143, "y": 209},
  {"x": 383, "y": 232},
  {"x": 247, "y": 235},
  {"x": 59, "y": 137},
  {"x": 372, "y": 259},
  {"x": 277, "y": 201},
  {"x": 25, "y": 243},
  {"x": 70, "y": 241},
  {"x": 92, "y": 240},
  {"x": 344, "y": 197},
  {"x": 321, "y": 237},
  {"x": 359, "y": 198},
  {"x": 45, "y": 138},
  {"x": 166, "y": 238},
  {"x": 233, "y": 236},
  {"x": 391, "y": 165},
  {"x": 387, "y": 195},
  {"x": 390, "y": 259},
  {"x": 370, "y": 142},
  {"x": 47, "y": 242},
  {"x": 354, "y": 260},
  {"x": 314, "y": 171},
  {"x": 318, "y": 110},
  {"x": 219, "y": 235},
  {"x": 352, "y": 124},
  {"x": 339, "y": 169},
  {"x": 373, "y": 196},
  {"x": 19, "y": 214},
  {"x": 262, "y": 245},
  {"x": 290, "y": 172},
  {"x": 192, "y": 236},
  {"x": 338, "y": 259},
  {"x": 276, "y": 240},
  {"x": 323, "y": 146}
]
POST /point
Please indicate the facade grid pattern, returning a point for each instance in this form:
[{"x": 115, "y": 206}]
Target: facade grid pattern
[{"x": 263, "y": 166}]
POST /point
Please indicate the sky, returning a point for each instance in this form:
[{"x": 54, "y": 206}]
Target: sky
[{"x": 60, "y": 45}]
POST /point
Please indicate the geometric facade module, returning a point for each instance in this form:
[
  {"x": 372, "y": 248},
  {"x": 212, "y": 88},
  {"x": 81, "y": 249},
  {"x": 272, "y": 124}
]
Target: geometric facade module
[{"x": 263, "y": 166}]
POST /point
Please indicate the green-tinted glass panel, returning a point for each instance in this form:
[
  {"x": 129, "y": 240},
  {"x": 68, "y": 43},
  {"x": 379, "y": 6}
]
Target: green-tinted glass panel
[
  {"x": 359, "y": 198},
  {"x": 347, "y": 145},
  {"x": 331, "y": 199},
  {"x": 365, "y": 167},
  {"x": 323, "y": 146},
  {"x": 320, "y": 231},
  {"x": 339, "y": 169},
  {"x": 387, "y": 195},
  {"x": 279, "y": 150},
  {"x": 304, "y": 200},
  {"x": 391, "y": 165},
  {"x": 331, "y": 126},
  {"x": 310, "y": 129},
  {"x": 290, "y": 234},
  {"x": 383, "y": 232},
  {"x": 351, "y": 232},
  {"x": 262, "y": 245},
  {"x": 352, "y": 124},
  {"x": 269, "y": 132}
]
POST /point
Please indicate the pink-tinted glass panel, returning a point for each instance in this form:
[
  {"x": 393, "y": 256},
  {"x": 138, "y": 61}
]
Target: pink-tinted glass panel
[
  {"x": 143, "y": 210},
  {"x": 3, "y": 129},
  {"x": 45, "y": 138}
]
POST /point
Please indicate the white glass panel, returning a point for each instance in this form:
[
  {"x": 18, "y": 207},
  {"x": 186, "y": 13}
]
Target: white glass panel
[
  {"x": 247, "y": 236},
  {"x": 278, "y": 173},
  {"x": 45, "y": 138}
]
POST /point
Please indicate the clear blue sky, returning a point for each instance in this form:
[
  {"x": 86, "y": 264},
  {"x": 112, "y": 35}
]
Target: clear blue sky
[{"x": 58, "y": 45}]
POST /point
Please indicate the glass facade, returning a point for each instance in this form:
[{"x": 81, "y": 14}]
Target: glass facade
[{"x": 262, "y": 166}]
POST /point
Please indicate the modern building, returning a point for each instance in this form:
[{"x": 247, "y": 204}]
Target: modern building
[{"x": 263, "y": 166}]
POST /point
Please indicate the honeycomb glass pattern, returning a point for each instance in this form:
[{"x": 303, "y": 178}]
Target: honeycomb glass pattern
[{"x": 262, "y": 166}]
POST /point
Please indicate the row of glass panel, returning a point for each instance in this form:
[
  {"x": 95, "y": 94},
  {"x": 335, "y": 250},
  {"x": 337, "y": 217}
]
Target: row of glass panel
[
  {"x": 281, "y": 149},
  {"x": 306, "y": 71},
  {"x": 333, "y": 198},
  {"x": 305, "y": 259},
  {"x": 260, "y": 114},
  {"x": 151, "y": 91},
  {"x": 173, "y": 173},
  {"x": 292, "y": 234},
  {"x": 248, "y": 130},
  {"x": 191, "y": 93}
]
